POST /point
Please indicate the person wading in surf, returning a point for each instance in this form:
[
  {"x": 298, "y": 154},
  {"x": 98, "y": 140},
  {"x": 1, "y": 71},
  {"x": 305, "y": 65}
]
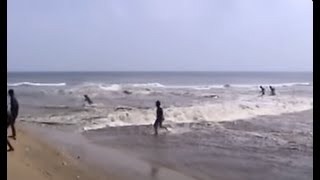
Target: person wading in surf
[
  {"x": 87, "y": 99},
  {"x": 273, "y": 91},
  {"x": 160, "y": 118},
  {"x": 263, "y": 91}
]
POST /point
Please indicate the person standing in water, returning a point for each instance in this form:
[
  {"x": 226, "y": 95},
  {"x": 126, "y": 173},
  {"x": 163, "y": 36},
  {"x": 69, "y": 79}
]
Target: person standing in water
[
  {"x": 263, "y": 91},
  {"x": 14, "y": 111},
  {"x": 159, "y": 120},
  {"x": 273, "y": 91}
]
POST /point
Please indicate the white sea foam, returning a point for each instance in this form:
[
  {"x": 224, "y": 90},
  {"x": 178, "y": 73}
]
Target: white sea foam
[
  {"x": 216, "y": 112},
  {"x": 36, "y": 84},
  {"x": 100, "y": 89},
  {"x": 113, "y": 87},
  {"x": 149, "y": 85},
  {"x": 242, "y": 108},
  {"x": 146, "y": 88}
]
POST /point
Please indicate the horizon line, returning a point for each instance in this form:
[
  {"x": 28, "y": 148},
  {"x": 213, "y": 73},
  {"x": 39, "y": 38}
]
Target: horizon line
[{"x": 150, "y": 71}]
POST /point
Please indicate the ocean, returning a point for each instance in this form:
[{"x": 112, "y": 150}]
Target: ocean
[
  {"x": 220, "y": 127},
  {"x": 165, "y": 78},
  {"x": 188, "y": 96}
]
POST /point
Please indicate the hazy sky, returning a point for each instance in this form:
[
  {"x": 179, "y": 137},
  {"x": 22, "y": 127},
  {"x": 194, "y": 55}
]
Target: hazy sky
[{"x": 124, "y": 35}]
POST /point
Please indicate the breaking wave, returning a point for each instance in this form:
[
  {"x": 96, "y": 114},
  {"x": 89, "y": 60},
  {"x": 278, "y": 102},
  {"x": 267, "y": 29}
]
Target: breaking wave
[
  {"x": 101, "y": 117},
  {"x": 36, "y": 84},
  {"x": 119, "y": 87}
]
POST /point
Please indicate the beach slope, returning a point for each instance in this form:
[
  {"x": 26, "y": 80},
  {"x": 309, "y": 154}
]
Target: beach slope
[{"x": 34, "y": 159}]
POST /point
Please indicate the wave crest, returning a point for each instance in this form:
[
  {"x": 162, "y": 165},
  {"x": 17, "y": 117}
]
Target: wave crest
[
  {"x": 36, "y": 84},
  {"x": 100, "y": 116}
]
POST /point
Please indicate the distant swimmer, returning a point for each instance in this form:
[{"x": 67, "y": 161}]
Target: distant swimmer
[
  {"x": 273, "y": 91},
  {"x": 263, "y": 91},
  {"x": 14, "y": 111},
  {"x": 87, "y": 99},
  {"x": 160, "y": 118}
]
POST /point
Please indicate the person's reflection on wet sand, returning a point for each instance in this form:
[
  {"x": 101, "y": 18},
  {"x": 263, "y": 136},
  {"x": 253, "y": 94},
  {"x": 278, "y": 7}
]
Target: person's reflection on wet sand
[{"x": 154, "y": 171}]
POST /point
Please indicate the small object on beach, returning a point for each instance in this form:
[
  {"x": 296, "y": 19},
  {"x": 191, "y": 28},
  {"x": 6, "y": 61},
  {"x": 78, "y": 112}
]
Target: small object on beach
[
  {"x": 78, "y": 177},
  {"x": 64, "y": 163},
  {"x": 78, "y": 157},
  {"x": 26, "y": 149}
]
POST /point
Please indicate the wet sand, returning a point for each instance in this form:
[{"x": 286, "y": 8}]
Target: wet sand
[
  {"x": 34, "y": 159},
  {"x": 104, "y": 161},
  {"x": 265, "y": 147}
]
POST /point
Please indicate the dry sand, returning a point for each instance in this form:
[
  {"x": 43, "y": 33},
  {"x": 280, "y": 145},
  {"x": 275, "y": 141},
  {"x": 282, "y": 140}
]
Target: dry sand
[{"x": 36, "y": 160}]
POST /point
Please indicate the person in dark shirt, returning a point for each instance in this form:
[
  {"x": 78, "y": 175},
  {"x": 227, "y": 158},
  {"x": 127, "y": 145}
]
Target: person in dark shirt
[
  {"x": 273, "y": 91},
  {"x": 14, "y": 111},
  {"x": 263, "y": 91},
  {"x": 160, "y": 118}
]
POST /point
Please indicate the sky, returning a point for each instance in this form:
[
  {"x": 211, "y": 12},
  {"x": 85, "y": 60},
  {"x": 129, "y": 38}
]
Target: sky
[{"x": 160, "y": 35}]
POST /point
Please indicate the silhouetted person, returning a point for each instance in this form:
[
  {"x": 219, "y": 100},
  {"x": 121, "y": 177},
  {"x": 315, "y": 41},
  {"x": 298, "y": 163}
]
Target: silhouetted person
[
  {"x": 9, "y": 121},
  {"x": 10, "y": 146},
  {"x": 263, "y": 91},
  {"x": 14, "y": 111},
  {"x": 160, "y": 118},
  {"x": 87, "y": 99},
  {"x": 273, "y": 91}
]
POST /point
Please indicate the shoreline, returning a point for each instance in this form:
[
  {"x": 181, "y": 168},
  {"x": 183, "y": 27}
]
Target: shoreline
[
  {"x": 80, "y": 163},
  {"x": 34, "y": 158},
  {"x": 128, "y": 152}
]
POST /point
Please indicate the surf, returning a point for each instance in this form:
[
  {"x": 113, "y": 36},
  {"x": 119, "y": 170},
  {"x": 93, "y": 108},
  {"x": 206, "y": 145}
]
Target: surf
[{"x": 36, "y": 84}]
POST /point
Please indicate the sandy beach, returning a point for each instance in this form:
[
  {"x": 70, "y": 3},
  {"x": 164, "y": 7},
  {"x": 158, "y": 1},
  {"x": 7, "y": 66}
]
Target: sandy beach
[{"x": 34, "y": 159}]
